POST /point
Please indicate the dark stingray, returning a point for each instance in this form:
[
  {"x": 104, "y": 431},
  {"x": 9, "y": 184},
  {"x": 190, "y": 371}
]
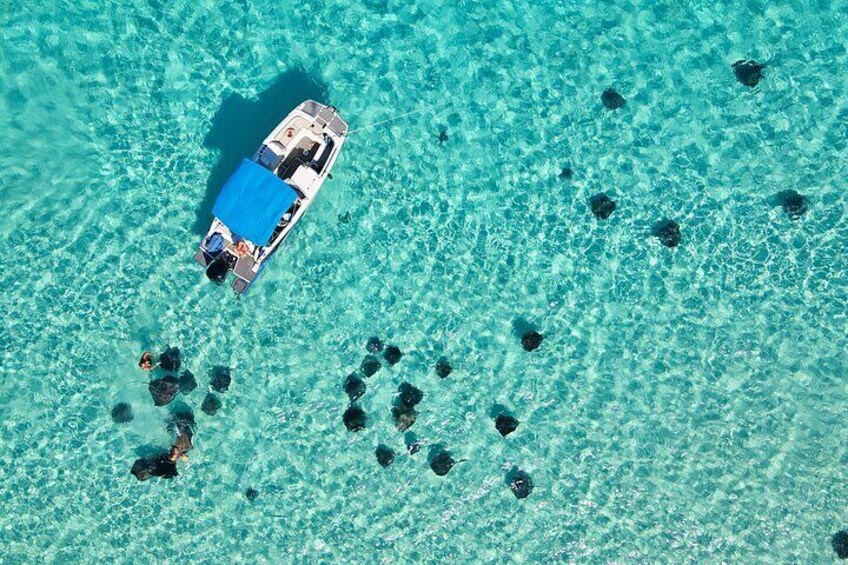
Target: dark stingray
[
  {"x": 159, "y": 466},
  {"x": 122, "y": 413},
  {"x": 187, "y": 382},
  {"x": 409, "y": 396},
  {"x": 211, "y": 404},
  {"x": 506, "y": 424},
  {"x": 403, "y": 417},
  {"x": 602, "y": 206},
  {"x": 748, "y": 72},
  {"x": 442, "y": 463},
  {"x": 612, "y": 100},
  {"x": 443, "y": 136},
  {"x": 668, "y": 232},
  {"x": 163, "y": 390},
  {"x": 220, "y": 378},
  {"x": 839, "y": 541},
  {"x": 443, "y": 368},
  {"x": 385, "y": 455},
  {"x": 520, "y": 484},
  {"x": 181, "y": 420},
  {"x": 392, "y": 354},
  {"x": 531, "y": 340},
  {"x": 344, "y": 218},
  {"x": 370, "y": 365},
  {"x": 171, "y": 360},
  {"x": 217, "y": 271},
  {"x": 354, "y": 387},
  {"x": 354, "y": 418},
  {"x": 566, "y": 173},
  {"x": 251, "y": 494},
  {"x": 374, "y": 344},
  {"x": 794, "y": 204}
]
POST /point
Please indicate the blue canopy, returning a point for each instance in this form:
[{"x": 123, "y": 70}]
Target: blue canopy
[{"x": 253, "y": 201}]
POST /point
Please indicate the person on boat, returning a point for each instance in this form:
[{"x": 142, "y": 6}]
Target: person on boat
[
  {"x": 242, "y": 248},
  {"x": 147, "y": 363}
]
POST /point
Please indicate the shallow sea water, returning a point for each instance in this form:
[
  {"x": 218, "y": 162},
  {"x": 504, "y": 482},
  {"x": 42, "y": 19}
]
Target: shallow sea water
[{"x": 686, "y": 405}]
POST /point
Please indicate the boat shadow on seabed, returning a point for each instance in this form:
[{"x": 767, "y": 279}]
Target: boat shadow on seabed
[{"x": 239, "y": 125}]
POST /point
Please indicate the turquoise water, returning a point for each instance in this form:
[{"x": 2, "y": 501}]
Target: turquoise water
[{"x": 687, "y": 405}]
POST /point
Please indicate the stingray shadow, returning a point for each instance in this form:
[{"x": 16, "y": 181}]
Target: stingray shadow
[{"x": 240, "y": 125}]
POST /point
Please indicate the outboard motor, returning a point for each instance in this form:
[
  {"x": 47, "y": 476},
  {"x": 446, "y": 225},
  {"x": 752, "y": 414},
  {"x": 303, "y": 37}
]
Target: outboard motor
[{"x": 217, "y": 271}]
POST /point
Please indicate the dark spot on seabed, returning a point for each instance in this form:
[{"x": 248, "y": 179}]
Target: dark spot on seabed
[
  {"x": 668, "y": 232},
  {"x": 211, "y": 404},
  {"x": 748, "y": 72},
  {"x": 370, "y": 365},
  {"x": 251, "y": 494},
  {"x": 221, "y": 379},
  {"x": 374, "y": 344},
  {"x": 566, "y": 173},
  {"x": 794, "y": 204},
  {"x": 612, "y": 100},
  {"x": 443, "y": 368},
  {"x": 409, "y": 396},
  {"x": 506, "y": 424},
  {"x": 122, "y": 413},
  {"x": 392, "y": 354},
  {"x": 171, "y": 360},
  {"x": 163, "y": 390},
  {"x": 354, "y": 418},
  {"x": 520, "y": 483},
  {"x": 187, "y": 382},
  {"x": 443, "y": 136},
  {"x": 344, "y": 218},
  {"x": 531, "y": 340},
  {"x": 354, "y": 387},
  {"x": 602, "y": 206},
  {"x": 385, "y": 455}
]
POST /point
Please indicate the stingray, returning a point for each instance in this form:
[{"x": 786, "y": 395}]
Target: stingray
[
  {"x": 442, "y": 463},
  {"x": 170, "y": 360},
  {"x": 163, "y": 390},
  {"x": 385, "y": 455},
  {"x": 181, "y": 421},
  {"x": 409, "y": 396},
  {"x": 443, "y": 136},
  {"x": 506, "y": 424},
  {"x": 602, "y": 206},
  {"x": 392, "y": 354},
  {"x": 531, "y": 340},
  {"x": 354, "y": 387},
  {"x": 354, "y": 418},
  {"x": 211, "y": 404},
  {"x": 521, "y": 484},
  {"x": 668, "y": 233},
  {"x": 374, "y": 344},
  {"x": 412, "y": 443},
  {"x": 403, "y": 417},
  {"x": 443, "y": 368},
  {"x": 159, "y": 466},
  {"x": 370, "y": 365},
  {"x": 566, "y": 173},
  {"x": 122, "y": 413},
  {"x": 251, "y": 494},
  {"x": 748, "y": 72},
  {"x": 612, "y": 100},
  {"x": 187, "y": 382},
  {"x": 839, "y": 541},
  {"x": 344, "y": 218},
  {"x": 220, "y": 381},
  {"x": 794, "y": 204}
]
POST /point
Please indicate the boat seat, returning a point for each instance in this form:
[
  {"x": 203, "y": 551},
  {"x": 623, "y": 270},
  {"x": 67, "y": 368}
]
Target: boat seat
[{"x": 271, "y": 155}]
